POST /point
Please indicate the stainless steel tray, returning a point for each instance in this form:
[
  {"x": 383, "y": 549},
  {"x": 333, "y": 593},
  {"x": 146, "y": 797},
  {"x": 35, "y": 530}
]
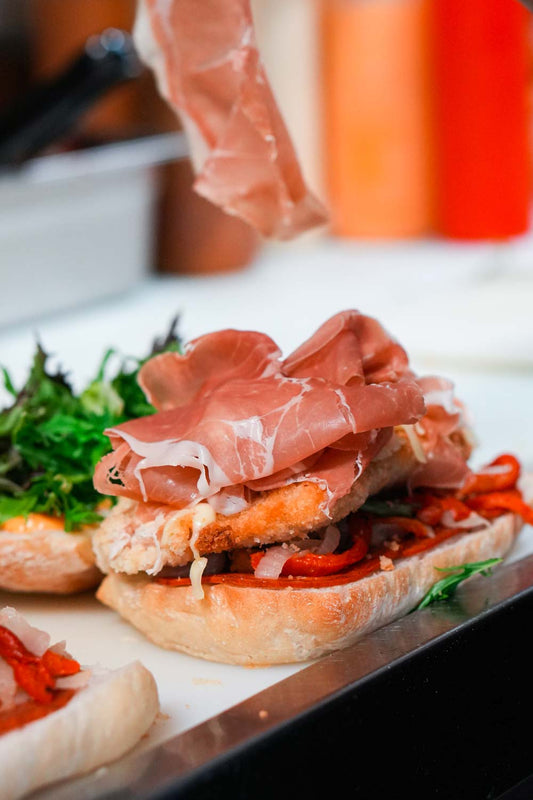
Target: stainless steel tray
[{"x": 434, "y": 705}]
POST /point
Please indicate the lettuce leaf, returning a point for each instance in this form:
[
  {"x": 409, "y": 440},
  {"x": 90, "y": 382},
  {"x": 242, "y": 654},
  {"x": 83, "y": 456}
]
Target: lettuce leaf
[{"x": 52, "y": 438}]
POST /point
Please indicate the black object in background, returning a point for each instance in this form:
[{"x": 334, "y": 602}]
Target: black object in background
[{"x": 50, "y": 110}]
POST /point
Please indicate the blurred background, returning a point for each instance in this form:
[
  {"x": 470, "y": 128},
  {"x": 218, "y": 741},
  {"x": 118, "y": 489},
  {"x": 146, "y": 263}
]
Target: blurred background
[{"x": 413, "y": 121}]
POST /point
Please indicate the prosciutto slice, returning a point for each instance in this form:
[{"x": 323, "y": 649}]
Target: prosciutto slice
[
  {"x": 233, "y": 413},
  {"x": 445, "y": 466},
  {"x": 208, "y": 68}
]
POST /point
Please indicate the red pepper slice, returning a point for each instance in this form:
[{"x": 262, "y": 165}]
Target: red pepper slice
[
  {"x": 23, "y": 713},
  {"x": 420, "y": 530},
  {"x": 494, "y": 504},
  {"x": 34, "y": 674},
  {"x": 60, "y": 665},
  {"x": 28, "y": 669},
  {"x": 433, "y": 508},
  {"x": 485, "y": 481},
  {"x": 12, "y": 647},
  {"x": 317, "y": 564},
  {"x": 34, "y": 679}
]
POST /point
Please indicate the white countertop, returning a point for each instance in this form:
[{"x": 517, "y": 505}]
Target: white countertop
[{"x": 462, "y": 312}]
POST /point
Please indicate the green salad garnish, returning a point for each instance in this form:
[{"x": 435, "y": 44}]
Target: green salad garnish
[
  {"x": 51, "y": 438},
  {"x": 443, "y": 589}
]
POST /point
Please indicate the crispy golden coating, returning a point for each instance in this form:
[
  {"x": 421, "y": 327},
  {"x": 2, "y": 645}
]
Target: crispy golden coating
[{"x": 136, "y": 537}]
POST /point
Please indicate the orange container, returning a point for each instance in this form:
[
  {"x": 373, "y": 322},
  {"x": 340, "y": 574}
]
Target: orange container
[{"x": 378, "y": 117}]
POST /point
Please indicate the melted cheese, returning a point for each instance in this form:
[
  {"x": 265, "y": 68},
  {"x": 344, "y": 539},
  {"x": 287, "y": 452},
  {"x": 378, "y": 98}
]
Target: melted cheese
[
  {"x": 203, "y": 515},
  {"x": 199, "y": 517}
]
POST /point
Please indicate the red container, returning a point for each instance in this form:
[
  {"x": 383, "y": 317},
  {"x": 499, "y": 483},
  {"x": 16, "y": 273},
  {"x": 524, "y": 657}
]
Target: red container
[{"x": 483, "y": 148}]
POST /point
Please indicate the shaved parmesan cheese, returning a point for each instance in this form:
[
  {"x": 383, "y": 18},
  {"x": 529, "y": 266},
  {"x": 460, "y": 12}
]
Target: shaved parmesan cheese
[{"x": 414, "y": 441}]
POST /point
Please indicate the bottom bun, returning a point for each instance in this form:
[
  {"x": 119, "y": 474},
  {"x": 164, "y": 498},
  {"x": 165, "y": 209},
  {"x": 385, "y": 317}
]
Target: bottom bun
[
  {"x": 48, "y": 561},
  {"x": 262, "y": 626},
  {"x": 99, "y": 724}
]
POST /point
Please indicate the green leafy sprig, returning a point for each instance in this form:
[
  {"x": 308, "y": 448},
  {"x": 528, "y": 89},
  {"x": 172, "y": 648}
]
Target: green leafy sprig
[
  {"x": 52, "y": 438},
  {"x": 444, "y": 589}
]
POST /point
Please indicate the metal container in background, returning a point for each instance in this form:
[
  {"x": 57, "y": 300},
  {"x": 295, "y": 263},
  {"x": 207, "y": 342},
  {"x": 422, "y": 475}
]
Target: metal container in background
[{"x": 77, "y": 227}]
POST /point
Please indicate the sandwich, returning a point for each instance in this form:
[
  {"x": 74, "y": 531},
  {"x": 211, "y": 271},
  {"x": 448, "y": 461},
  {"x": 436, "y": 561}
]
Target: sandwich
[
  {"x": 275, "y": 509},
  {"x": 59, "y": 719},
  {"x": 50, "y": 440}
]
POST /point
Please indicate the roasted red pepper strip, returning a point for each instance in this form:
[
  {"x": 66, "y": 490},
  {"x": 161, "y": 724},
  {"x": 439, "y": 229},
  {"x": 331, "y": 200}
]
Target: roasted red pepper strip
[
  {"x": 420, "y": 530},
  {"x": 317, "y": 564},
  {"x": 486, "y": 481},
  {"x": 28, "y": 669},
  {"x": 34, "y": 678},
  {"x": 493, "y": 504},
  {"x": 30, "y": 711},
  {"x": 59, "y": 665},
  {"x": 34, "y": 674},
  {"x": 12, "y": 647},
  {"x": 433, "y": 508}
]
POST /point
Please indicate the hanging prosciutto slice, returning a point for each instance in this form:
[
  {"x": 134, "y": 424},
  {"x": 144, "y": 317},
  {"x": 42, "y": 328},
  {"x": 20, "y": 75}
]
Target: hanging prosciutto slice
[
  {"x": 205, "y": 58},
  {"x": 234, "y": 414}
]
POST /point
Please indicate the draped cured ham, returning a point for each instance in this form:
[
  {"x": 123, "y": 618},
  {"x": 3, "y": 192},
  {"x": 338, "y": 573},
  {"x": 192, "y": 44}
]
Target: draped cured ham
[
  {"x": 444, "y": 466},
  {"x": 234, "y": 414},
  {"x": 208, "y": 67}
]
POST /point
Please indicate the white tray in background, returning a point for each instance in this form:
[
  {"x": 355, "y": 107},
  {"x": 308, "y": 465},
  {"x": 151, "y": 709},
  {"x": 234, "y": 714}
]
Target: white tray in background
[{"x": 77, "y": 227}]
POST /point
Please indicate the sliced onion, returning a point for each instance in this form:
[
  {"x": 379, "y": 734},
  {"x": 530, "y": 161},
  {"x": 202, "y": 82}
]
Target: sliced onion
[
  {"x": 273, "y": 561},
  {"x": 414, "y": 441},
  {"x": 33, "y": 639},
  {"x": 60, "y": 648},
  {"x": 495, "y": 469},
  {"x": 472, "y": 521},
  {"x": 77, "y": 681},
  {"x": 470, "y": 437},
  {"x": 381, "y": 531},
  {"x": 330, "y": 542},
  {"x": 229, "y": 501}
]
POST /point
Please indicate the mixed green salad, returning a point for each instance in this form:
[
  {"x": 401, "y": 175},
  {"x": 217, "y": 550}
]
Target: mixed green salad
[{"x": 51, "y": 437}]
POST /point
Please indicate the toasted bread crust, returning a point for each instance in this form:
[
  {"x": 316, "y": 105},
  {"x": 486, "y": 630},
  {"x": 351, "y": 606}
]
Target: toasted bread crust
[
  {"x": 261, "y": 626},
  {"x": 278, "y": 515},
  {"x": 47, "y": 561},
  {"x": 97, "y": 726}
]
